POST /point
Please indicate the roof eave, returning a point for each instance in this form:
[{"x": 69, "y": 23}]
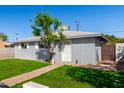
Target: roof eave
[
  {"x": 73, "y": 37},
  {"x": 26, "y": 41},
  {"x": 67, "y": 37},
  {"x": 107, "y": 40}
]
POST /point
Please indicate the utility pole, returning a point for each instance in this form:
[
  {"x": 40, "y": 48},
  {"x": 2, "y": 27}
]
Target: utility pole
[
  {"x": 77, "y": 22},
  {"x": 17, "y": 34}
]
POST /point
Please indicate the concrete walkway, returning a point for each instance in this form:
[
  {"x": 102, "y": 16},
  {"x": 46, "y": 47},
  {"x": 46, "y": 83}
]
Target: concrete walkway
[{"x": 29, "y": 75}]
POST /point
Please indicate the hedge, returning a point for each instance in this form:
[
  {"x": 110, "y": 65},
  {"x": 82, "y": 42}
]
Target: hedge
[{"x": 98, "y": 78}]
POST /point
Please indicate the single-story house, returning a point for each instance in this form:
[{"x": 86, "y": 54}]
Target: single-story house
[{"x": 80, "y": 48}]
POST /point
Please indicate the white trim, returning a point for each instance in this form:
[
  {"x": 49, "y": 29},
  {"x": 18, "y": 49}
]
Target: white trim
[
  {"x": 36, "y": 45},
  {"x": 20, "y": 46},
  {"x": 27, "y": 46}
]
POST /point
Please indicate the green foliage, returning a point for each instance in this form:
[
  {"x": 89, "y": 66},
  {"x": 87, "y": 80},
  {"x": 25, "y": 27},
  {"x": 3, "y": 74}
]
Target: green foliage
[
  {"x": 46, "y": 27},
  {"x": 56, "y": 24},
  {"x": 3, "y": 36},
  {"x": 113, "y": 39},
  {"x": 36, "y": 32},
  {"x": 98, "y": 78}
]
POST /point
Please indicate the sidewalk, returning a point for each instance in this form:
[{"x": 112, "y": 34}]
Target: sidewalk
[{"x": 29, "y": 75}]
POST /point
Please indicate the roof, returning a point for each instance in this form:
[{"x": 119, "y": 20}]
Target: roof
[
  {"x": 30, "y": 39},
  {"x": 68, "y": 34},
  {"x": 8, "y": 43},
  {"x": 79, "y": 34}
]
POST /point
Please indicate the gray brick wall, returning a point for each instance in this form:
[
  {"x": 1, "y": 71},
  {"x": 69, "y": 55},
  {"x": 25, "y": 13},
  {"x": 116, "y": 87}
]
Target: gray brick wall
[{"x": 32, "y": 54}]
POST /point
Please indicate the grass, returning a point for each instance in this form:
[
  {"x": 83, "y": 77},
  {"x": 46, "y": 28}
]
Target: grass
[
  {"x": 57, "y": 79},
  {"x": 13, "y": 67},
  {"x": 98, "y": 78}
]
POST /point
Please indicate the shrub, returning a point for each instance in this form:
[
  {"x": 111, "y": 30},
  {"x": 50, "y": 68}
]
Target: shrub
[{"x": 96, "y": 77}]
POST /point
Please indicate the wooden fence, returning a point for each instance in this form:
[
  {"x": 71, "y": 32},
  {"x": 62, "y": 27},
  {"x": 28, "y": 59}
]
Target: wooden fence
[
  {"x": 6, "y": 53},
  {"x": 108, "y": 53}
]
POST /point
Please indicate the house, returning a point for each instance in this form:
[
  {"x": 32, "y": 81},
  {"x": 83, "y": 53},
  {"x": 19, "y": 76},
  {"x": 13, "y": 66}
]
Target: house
[
  {"x": 80, "y": 48},
  {"x": 9, "y": 45},
  {"x": 4, "y": 44}
]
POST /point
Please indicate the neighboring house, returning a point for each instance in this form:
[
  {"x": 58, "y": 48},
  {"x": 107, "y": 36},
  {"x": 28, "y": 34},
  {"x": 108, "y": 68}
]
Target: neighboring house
[
  {"x": 9, "y": 45},
  {"x": 80, "y": 48},
  {"x": 4, "y": 44}
]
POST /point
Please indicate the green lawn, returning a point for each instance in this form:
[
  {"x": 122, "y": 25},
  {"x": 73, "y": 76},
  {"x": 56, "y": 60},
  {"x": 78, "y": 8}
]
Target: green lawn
[
  {"x": 13, "y": 67},
  {"x": 58, "y": 79}
]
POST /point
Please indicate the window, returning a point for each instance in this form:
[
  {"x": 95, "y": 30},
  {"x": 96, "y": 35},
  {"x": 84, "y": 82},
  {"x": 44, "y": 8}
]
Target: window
[
  {"x": 41, "y": 45},
  {"x": 23, "y": 45}
]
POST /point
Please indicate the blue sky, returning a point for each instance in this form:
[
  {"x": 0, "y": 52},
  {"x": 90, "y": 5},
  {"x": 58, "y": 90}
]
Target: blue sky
[{"x": 102, "y": 19}]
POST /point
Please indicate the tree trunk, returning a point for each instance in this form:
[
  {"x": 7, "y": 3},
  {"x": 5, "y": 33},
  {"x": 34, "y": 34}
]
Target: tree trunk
[{"x": 50, "y": 53}]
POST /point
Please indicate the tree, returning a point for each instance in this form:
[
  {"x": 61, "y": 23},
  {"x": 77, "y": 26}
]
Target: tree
[
  {"x": 48, "y": 29},
  {"x": 113, "y": 39},
  {"x": 3, "y": 36}
]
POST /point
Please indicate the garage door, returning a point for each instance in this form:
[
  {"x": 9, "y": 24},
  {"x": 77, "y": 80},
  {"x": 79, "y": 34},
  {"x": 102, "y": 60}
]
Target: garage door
[{"x": 66, "y": 53}]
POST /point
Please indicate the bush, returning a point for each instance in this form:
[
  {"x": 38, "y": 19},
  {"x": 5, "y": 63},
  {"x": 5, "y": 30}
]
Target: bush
[{"x": 98, "y": 78}]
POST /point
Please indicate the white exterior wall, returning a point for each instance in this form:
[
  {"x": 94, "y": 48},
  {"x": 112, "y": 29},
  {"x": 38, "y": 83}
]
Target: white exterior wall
[
  {"x": 83, "y": 50},
  {"x": 98, "y": 53}
]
